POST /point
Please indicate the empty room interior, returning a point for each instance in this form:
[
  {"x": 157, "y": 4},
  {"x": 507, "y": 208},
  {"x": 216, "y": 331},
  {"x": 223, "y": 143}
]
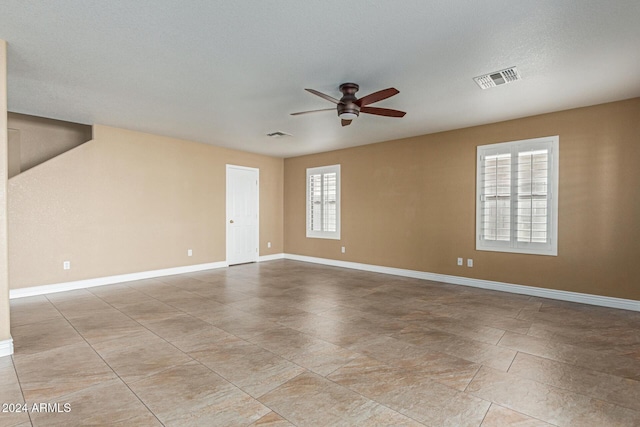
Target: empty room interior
[{"x": 281, "y": 213}]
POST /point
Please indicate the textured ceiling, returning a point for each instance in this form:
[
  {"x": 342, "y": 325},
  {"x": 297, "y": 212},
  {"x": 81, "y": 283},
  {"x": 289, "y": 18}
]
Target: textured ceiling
[{"x": 229, "y": 72}]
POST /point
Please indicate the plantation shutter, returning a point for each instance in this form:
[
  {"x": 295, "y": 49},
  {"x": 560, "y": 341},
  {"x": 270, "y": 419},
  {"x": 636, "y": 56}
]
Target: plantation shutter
[
  {"x": 532, "y": 221},
  {"x": 330, "y": 192},
  {"x": 496, "y": 198},
  {"x": 323, "y": 202},
  {"x": 315, "y": 202},
  {"x": 516, "y": 206}
]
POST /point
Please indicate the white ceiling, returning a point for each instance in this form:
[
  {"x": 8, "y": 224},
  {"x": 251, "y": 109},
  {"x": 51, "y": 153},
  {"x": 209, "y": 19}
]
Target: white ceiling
[{"x": 229, "y": 72}]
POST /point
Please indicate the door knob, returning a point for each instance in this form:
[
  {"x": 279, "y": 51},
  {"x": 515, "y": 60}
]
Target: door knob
[{"x": 230, "y": 221}]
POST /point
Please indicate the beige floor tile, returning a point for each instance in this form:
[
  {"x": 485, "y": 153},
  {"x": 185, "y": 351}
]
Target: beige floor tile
[
  {"x": 361, "y": 312},
  {"x": 312, "y": 353},
  {"x": 219, "y": 314},
  {"x": 109, "y": 403},
  {"x": 547, "y": 403},
  {"x": 69, "y": 297},
  {"x": 413, "y": 394},
  {"x": 222, "y": 295},
  {"x": 135, "y": 357},
  {"x": 471, "y": 318},
  {"x": 503, "y": 417},
  {"x": 177, "y": 326},
  {"x": 44, "y": 335},
  {"x": 10, "y": 390},
  {"x": 11, "y": 395},
  {"x": 197, "y": 286},
  {"x": 239, "y": 323},
  {"x": 604, "y": 362},
  {"x": 145, "y": 311},
  {"x": 207, "y": 339},
  {"x": 614, "y": 339},
  {"x": 610, "y": 388},
  {"x": 394, "y": 350},
  {"x": 103, "y": 326},
  {"x": 324, "y": 358},
  {"x": 437, "y": 367},
  {"x": 470, "y": 350},
  {"x": 574, "y": 314},
  {"x": 503, "y": 305},
  {"x": 461, "y": 328},
  {"x": 27, "y": 302},
  {"x": 6, "y": 362},
  {"x": 78, "y": 305},
  {"x": 385, "y": 348},
  {"x": 118, "y": 295},
  {"x": 60, "y": 371},
  {"x": 34, "y": 312},
  {"x": 634, "y": 355},
  {"x": 14, "y": 419},
  {"x": 193, "y": 395},
  {"x": 160, "y": 290},
  {"x": 272, "y": 420},
  {"x": 443, "y": 368},
  {"x": 180, "y": 299},
  {"x": 326, "y": 328},
  {"x": 182, "y": 281},
  {"x": 378, "y": 415},
  {"x": 310, "y": 400},
  {"x": 210, "y": 275},
  {"x": 265, "y": 309},
  {"x": 306, "y": 303},
  {"x": 379, "y": 324},
  {"x": 248, "y": 366}
]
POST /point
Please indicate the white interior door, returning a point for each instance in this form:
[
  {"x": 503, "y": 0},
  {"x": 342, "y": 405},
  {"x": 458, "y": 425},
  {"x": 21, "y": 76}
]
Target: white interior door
[{"x": 242, "y": 214}]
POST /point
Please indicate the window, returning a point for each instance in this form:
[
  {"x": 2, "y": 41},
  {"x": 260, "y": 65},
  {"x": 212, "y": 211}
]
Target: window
[
  {"x": 323, "y": 202},
  {"x": 517, "y": 197}
]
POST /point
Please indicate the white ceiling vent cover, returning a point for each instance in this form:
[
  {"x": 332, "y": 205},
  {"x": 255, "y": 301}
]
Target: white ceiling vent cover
[{"x": 498, "y": 78}]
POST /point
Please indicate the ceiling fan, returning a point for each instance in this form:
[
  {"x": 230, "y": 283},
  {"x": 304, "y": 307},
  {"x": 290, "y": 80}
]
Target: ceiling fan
[{"x": 349, "y": 107}]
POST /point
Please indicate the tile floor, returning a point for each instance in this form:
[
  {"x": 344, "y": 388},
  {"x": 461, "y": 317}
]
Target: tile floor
[{"x": 287, "y": 343}]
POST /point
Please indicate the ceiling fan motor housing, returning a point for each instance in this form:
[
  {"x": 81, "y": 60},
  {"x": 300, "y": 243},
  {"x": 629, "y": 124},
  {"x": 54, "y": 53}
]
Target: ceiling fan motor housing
[{"x": 348, "y": 101}]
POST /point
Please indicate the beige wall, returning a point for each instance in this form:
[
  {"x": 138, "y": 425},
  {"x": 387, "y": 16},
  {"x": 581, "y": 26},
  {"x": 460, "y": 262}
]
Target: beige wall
[
  {"x": 13, "y": 152},
  {"x": 4, "y": 265},
  {"x": 39, "y": 139},
  {"x": 128, "y": 202},
  {"x": 411, "y": 203}
]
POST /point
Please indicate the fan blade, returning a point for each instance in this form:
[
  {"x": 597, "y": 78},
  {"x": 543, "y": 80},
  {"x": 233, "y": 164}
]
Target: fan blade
[
  {"x": 377, "y": 96},
  {"x": 322, "y": 95},
  {"x": 346, "y": 122},
  {"x": 313, "y": 111},
  {"x": 382, "y": 112}
]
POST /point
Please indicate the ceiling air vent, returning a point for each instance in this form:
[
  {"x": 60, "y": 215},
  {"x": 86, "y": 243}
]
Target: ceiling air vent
[
  {"x": 278, "y": 134},
  {"x": 498, "y": 78}
]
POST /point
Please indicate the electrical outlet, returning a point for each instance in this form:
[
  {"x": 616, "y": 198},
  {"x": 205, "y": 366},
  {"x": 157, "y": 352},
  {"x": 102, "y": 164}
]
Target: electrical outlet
[
  {"x": 344, "y": 249},
  {"x": 469, "y": 262},
  {"x": 268, "y": 244},
  {"x": 66, "y": 265},
  {"x": 459, "y": 261},
  {"x": 189, "y": 252}
]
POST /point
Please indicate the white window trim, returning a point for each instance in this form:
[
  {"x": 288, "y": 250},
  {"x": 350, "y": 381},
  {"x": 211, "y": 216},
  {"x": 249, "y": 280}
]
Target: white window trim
[
  {"x": 335, "y": 235},
  {"x": 551, "y": 247}
]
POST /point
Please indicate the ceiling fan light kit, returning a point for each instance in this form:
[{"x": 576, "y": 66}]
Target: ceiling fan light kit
[{"x": 349, "y": 106}]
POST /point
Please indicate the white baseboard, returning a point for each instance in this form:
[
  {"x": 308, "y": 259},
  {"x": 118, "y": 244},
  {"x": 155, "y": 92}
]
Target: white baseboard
[
  {"x": 270, "y": 257},
  {"x": 604, "y": 301},
  {"x": 110, "y": 280},
  {"x": 6, "y": 347}
]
